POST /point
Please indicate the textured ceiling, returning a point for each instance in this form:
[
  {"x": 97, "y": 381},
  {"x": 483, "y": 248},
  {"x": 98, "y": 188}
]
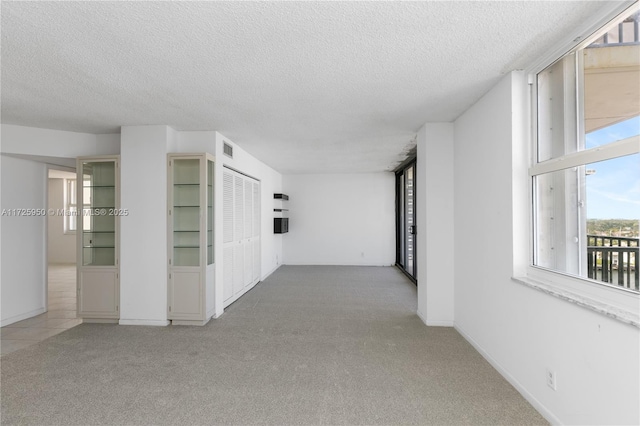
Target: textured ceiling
[{"x": 307, "y": 87}]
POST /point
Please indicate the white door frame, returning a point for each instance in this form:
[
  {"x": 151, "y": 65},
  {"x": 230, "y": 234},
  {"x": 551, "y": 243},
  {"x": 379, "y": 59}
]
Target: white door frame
[{"x": 46, "y": 234}]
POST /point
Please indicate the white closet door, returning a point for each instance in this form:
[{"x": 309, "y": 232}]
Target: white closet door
[
  {"x": 256, "y": 209},
  {"x": 238, "y": 208},
  {"x": 248, "y": 209},
  {"x": 256, "y": 259},
  {"x": 248, "y": 263},
  {"x": 241, "y": 234},
  {"x": 227, "y": 207},
  {"x": 238, "y": 234},
  {"x": 227, "y": 272},
  {"x": 227, "y": 234},
  {"x": 248, "y": 232},
  {"x": 238, "y": 269}
]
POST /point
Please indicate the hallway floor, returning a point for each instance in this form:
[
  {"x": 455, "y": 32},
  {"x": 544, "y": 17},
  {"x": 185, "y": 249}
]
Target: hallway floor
[{"x": 60, "y": 316}]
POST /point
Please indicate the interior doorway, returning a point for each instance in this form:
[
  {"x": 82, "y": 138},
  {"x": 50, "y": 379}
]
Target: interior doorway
[
  {"x": 60, "y": 290},
  {"x": 62, "y": 246},
  {"x": 406, "y": 219}
]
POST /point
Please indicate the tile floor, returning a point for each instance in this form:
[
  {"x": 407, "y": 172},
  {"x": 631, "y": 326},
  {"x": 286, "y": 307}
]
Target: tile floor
[{"x": 60, "y": 316}]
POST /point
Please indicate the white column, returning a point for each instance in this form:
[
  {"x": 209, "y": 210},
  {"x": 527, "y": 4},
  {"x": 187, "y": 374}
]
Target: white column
[
  {"x": 434, "y": 209},
  {"x": 143, "y": 237}
]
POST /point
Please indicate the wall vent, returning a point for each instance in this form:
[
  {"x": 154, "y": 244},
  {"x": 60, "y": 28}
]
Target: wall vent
[{"x": 227, "y": 149}]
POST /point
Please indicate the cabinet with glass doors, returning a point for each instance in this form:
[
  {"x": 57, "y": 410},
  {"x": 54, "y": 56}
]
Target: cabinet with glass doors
[
  {"x": 98, "y": 226},
  {"x": 190, "y": 235}
]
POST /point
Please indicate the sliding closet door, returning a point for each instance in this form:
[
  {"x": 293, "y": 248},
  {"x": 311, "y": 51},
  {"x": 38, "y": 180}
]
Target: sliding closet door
[{"x": 241, "y": 234}]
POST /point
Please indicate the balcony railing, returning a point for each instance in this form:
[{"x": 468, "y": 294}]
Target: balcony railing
[
  {"x": 613, "y": 260},
  {"x": 626, "y": 32}
]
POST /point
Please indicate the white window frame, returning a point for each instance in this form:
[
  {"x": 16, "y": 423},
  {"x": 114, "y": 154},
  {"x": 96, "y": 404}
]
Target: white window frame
[
  {"x": 68, "y": 203},
  {"x": 612, "y": 301}
]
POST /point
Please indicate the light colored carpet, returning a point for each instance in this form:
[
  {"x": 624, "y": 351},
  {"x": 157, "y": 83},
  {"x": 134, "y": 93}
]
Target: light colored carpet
[{"x": 309, "y": 345}]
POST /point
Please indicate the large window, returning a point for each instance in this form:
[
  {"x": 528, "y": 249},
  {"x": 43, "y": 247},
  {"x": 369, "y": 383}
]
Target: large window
[{"x": 586, "y": 173}]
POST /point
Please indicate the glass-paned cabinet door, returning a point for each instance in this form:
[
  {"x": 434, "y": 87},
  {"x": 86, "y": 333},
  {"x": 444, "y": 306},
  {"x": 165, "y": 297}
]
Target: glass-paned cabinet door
[
  {"x": 186, "y": 212},
  {"x": 209, "y": 212},
  {"x": 99, "y": 208}
]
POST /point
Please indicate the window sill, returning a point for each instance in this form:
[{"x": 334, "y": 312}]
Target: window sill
[{"x": 553, "y": 286}]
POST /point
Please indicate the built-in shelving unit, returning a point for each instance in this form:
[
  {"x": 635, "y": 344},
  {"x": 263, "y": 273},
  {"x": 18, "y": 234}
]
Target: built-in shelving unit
[
  {"x": 281, "y": 219},
  {"x": 190, "y": 233},
  {"x": 98, "y": 238}
]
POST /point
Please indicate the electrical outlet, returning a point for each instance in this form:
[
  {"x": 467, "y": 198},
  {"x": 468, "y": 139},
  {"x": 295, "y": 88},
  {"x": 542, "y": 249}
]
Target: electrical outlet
[{"x": 551, "y": 379}]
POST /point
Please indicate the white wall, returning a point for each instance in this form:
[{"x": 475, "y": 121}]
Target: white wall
[
  {"x": 520, "y": 330},
  {"x": 56, "y": 143},
  {"x": 340, "y": 219},
  {"x": 61, "y": 247},
  {"x": 195, "y": 142},
  {"x": 22, "y": 272},
  {"x": 434, "y": 220}
]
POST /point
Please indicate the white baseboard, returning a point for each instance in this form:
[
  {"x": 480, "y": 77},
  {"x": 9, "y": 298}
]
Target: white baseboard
[
  {"x": 157, "y": 323},
  {"x": 264, "y": 277},
  {"x": 189, "y": 322},
  {"x": 432, "y": 323},
  {"x": 439, "y": 323},
  {"x": 100, "y": 321},
  {"x": 227, "y": 303},
  {"x": 544, "y": 411},
  {"x": 26, "y": 315}
]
